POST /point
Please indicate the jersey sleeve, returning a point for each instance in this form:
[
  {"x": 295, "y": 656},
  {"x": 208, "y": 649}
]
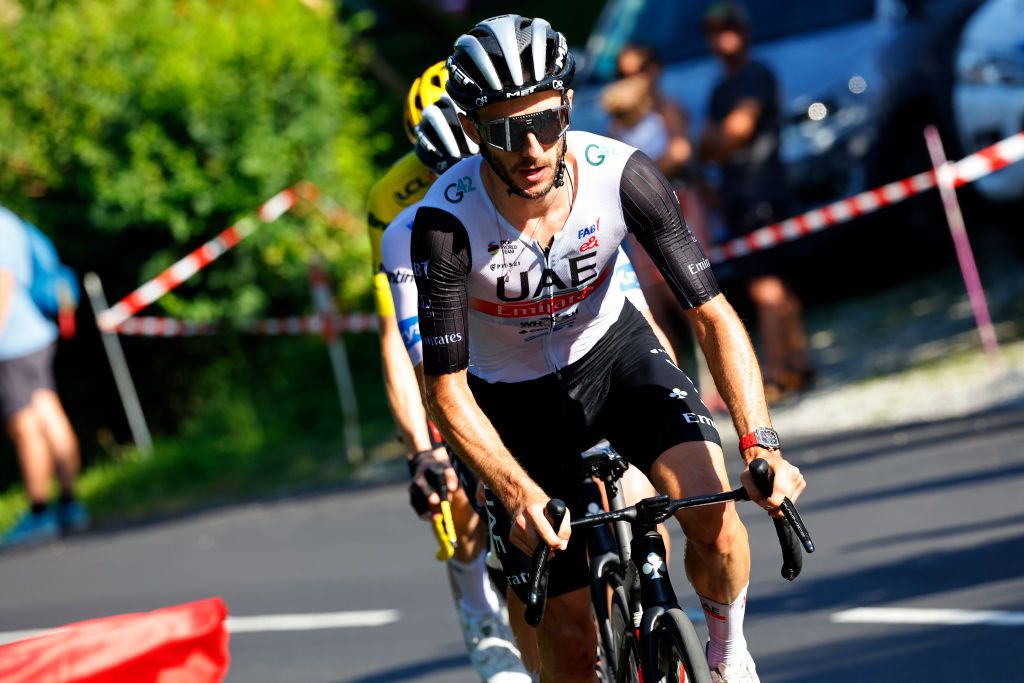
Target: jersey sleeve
[
  {"x": 397, "y": 269},
  {"x": 651, "y": 211},
  {"x": 627, "y": 281},
  {"x": 379, "y": 213},
  {"x": 441, "y": 264}
]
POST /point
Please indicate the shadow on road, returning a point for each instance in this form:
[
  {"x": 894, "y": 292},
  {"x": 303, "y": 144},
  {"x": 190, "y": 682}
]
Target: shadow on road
[
  {"x": 929, "y": 534},
  {"x": 894, "y": 658},
  {"x": 1000, "y": 472},
  {"x": 411, "y": 672},
  {"x": 882, "y": 442},
  {"x": 903, "y": 580}
]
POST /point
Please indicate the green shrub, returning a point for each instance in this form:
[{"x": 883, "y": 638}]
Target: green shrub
[{"x": 154, "y": 125}]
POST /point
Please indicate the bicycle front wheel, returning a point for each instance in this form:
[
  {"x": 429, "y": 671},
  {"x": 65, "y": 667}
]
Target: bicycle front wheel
[
  {"x": 680, "y": 653},
  {"x": 627, "y": 653}
]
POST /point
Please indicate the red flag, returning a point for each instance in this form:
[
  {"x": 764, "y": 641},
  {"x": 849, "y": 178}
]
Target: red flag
[{"x": 181, "y": 644}]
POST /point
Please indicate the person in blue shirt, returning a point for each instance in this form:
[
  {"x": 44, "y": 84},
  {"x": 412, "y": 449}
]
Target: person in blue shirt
[{"x": 31, "y": 410}]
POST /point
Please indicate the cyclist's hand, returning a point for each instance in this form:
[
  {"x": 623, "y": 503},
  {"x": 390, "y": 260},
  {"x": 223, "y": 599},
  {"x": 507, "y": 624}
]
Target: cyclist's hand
[
  {"x": 788, "y": 482},
  {"x": 532, "y": 526},
  {"x": 423, "y": 494}
]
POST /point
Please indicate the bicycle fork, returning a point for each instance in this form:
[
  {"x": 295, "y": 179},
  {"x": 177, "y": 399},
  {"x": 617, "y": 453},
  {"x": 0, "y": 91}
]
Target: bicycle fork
[{"x": 647, "y": 575}]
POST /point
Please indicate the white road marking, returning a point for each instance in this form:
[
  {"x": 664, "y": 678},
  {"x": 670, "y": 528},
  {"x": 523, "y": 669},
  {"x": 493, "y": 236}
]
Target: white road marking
[
  {"x": 270, "y": 623},
  {"x": 311, "y": 622},
  {"x": 910, "y": 615}
]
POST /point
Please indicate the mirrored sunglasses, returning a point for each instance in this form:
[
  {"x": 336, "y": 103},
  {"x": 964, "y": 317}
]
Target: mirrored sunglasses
[{"x": 509, "y": 133}]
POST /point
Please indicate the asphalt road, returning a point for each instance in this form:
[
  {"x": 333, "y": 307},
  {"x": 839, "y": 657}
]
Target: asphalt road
[{"x": 923, "y": 517}]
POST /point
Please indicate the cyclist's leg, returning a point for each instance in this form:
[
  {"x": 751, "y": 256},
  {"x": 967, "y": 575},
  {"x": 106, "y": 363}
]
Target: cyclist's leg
[
  {"x": 681, "y": 452},
  {"x": 635, "y": 486},
  {"x": 482, "y": 616},
  {"x": 567, "y": 636},
  {"x": 717, "y": 556}
]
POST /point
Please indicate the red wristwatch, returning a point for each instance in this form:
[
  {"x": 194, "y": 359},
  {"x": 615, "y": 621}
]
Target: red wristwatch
[{"x": 765, "y": 437}]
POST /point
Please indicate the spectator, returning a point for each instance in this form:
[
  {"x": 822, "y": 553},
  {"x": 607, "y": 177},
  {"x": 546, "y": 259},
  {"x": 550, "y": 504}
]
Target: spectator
[
  {"x": 42, "y": 435},
  {"x": 742, "y": 135},
  {"x": 641, "y": 116}
]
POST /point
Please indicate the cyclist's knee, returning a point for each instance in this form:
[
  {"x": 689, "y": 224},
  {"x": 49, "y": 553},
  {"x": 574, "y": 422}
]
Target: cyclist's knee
[
  {"x": 714, "y": 529},
  {"x": 567, "y": 637}
]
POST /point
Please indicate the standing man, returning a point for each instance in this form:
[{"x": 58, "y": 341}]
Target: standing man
[
  {"x": 519, "y": 408},
  {"x": 35, "y": 420},
  {"x": 742, "y": 134}
]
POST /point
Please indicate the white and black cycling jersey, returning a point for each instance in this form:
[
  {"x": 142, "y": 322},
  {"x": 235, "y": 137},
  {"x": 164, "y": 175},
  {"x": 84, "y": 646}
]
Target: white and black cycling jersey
[
  {"x": 485, "y": 292},
  {"x": 397, "y": 266}
]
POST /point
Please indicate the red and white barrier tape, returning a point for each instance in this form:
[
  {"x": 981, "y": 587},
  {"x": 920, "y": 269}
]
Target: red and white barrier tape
[
  {"x": 185, "y": 268},
  {"x": 273, "y": 327},
  {"x": 967, "y": 170}
]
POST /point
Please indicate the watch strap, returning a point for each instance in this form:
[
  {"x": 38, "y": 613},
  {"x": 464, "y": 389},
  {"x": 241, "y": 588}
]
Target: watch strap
[{"x": 765, "y": 437}]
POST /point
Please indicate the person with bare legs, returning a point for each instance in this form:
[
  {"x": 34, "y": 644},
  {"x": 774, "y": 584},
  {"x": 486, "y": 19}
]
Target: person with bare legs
[{"x": 35, "y": 420}]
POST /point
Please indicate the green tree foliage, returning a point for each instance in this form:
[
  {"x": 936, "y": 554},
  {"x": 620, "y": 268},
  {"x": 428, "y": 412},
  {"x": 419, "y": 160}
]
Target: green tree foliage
[{"x": 133, "y": 131}]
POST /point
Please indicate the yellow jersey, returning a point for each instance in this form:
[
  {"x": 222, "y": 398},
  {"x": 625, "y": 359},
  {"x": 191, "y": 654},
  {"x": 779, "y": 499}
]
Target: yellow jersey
[{"x": 404, "y": 184}]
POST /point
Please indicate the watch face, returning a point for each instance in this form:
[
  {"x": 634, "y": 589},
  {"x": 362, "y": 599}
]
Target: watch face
[{"x": 768, "y": 438}]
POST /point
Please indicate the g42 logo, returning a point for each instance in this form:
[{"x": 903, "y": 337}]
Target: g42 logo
[
  {"x": 457, "y": 190},
  {"x": 596, "y": 154}
]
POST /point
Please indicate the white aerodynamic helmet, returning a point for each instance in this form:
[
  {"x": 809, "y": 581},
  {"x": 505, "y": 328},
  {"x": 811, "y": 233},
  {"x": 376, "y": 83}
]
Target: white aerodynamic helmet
[
  {"x": 440, "y": 140},
  {"x": 505, "y": 57}
]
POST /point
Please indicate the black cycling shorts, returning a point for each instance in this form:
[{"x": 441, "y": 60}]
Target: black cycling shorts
[{"x": 627, "y": 390}]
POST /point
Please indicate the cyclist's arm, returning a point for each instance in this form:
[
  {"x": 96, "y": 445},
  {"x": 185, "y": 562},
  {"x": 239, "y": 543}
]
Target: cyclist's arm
[
  {"x": 399, "y": 335},
  {"x": 652, "y": 213},
  {"x": 441, "y": 245},
  {"x": 402, "y": 388}
]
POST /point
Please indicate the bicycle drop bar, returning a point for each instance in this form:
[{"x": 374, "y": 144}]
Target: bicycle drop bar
[
  {"x": 791, "y": 530},
  {"x": 537, "y": 598},
  {"x": 792, "y": 558}
]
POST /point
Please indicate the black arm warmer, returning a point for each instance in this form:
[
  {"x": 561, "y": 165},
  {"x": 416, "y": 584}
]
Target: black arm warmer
[
  {"x": 441, "y": 262},
  {"x": 652, "y": 213}
]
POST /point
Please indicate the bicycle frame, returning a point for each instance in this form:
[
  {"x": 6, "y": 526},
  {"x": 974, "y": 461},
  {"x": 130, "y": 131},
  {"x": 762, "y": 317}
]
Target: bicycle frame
[{"x": 650, "y": 579}]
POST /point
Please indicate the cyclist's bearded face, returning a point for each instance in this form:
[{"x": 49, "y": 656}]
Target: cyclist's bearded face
[{"x": 530, "y": 168}]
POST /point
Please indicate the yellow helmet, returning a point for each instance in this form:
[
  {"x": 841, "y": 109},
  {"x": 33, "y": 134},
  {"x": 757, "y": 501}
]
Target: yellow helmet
[{"x": 424, "y": 92}]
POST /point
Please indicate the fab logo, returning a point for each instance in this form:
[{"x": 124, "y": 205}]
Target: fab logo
[{"x": 589, "y": 230}]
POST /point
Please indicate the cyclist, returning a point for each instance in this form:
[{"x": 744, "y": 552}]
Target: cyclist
[
  {"x": 513, "y": 406},
  {"x": 481, "y": 616},
  {"x": 440, "y": 143}
]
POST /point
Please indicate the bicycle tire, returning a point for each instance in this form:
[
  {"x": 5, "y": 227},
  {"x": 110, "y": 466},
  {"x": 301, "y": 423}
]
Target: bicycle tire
[
  {"x": 678, "y": 647},
  {"x": 602, "y": 589},
  {"x": 627, "y": 651}
]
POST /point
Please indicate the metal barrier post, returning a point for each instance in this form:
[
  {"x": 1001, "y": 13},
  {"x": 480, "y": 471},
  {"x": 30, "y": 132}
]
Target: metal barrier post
[
  {"x": 119, "y": 366},
  {"x": 323, "y": 304},
  {"x": 945, "y": 179}
]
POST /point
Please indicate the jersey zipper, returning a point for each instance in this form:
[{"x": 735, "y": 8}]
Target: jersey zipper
[{"x": 549, "y": 339}]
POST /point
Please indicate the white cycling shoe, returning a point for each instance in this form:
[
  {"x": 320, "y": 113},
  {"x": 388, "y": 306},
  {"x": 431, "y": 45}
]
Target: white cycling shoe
[
  {"x": 492, "y": 648},
  {"x": 739, "y": 670}
]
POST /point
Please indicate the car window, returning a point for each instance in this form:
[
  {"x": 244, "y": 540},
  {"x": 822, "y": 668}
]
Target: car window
[{"x": 673, "y": 27}]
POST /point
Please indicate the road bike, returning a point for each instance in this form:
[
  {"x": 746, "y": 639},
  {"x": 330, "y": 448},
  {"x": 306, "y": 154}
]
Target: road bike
[{"x": 644, "y": 635}]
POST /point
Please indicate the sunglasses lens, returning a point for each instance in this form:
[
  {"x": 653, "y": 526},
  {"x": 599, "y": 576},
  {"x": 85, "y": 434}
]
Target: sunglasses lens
[{"x": 510, "y": 133}]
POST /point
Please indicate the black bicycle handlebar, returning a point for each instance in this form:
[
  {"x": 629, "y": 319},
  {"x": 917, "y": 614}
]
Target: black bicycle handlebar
[
  {"x": 657, "y": 509},
  {"x": 555, "y": 511},
  {"x": 792, "y": 558}
]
